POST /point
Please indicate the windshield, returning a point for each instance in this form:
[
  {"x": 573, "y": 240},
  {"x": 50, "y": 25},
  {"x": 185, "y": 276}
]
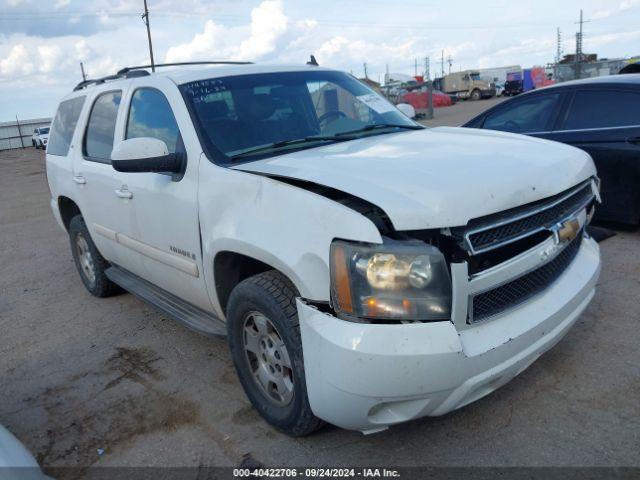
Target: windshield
[
  {"x": 475, "y": 76},
  {"x": 264, "y": 113},
  {"x": 44, "y": 130}
]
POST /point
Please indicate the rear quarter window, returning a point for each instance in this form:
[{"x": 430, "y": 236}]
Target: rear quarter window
[
  {"x": 602, "y": 109},
  {"x": 64, "y": 124}
]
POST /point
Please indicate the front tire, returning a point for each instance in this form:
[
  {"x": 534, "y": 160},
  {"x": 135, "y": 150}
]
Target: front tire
[
  {"x": 264, "y": 338},
  {"x": 475, "y": 95},
  {"x": 90, "y": 263}
]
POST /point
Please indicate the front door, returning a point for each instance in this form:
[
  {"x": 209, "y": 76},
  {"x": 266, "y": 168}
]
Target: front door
[{"x": 163, "y": 227}]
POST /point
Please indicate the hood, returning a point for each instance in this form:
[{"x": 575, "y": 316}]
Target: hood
[{"x": 438, "y": 177}]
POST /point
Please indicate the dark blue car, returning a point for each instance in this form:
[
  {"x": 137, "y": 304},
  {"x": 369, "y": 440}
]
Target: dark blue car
[{"x": 599, "y": 115}]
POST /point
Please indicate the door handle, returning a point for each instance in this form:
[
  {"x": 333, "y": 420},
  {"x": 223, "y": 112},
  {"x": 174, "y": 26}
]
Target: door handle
[
  {"x": 123, "y": 192},
  {"x": 634, "y": 140},
  {"x": 79, "y": 179}
]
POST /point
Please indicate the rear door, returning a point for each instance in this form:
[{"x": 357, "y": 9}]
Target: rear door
[
  {"x": 95, "y": 179},
  {"x": 605, "y": 122}
]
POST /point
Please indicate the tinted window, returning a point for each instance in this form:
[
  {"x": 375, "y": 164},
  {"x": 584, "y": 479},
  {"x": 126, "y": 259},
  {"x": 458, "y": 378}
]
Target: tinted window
[
  {"x": 64, "y": 125},
  {"x": 98, "y": 141},
  {"x": 150, "y": 116},
  {"x": 44, "y": 131},
  {"x": 602, "y": 108},
  {"x": 531, "y": 115}
]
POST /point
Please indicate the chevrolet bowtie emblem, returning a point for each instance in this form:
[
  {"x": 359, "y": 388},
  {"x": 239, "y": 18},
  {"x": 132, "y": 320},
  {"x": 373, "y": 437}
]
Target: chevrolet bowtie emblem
[{"x": 568, "y": 230}]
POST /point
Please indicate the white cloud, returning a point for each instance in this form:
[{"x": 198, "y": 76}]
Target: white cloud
[
  {"x": 628, "y": 4},
  {"x": 622, "y": 7},
  {"x": 268, "y": 24},
  {"x": 619, "y": 37},
  {"x": 49, "y": 57},
  {"x": 18, "y": 62},
  {"x": 203, "y": 45}
]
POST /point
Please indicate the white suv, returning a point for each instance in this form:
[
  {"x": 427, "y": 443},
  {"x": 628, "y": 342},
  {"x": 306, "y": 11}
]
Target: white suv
[
  {"x": 365, "y": 270},
  {"x": 40, "y": 137}
]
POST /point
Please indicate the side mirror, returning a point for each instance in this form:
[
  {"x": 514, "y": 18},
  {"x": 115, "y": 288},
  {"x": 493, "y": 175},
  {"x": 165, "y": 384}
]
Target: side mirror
[
  {"x": 144, "y": 154},
  {"x": 407, "y": 109}
]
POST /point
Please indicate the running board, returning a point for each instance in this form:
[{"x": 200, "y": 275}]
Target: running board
[{"x": 189, "y": 315}]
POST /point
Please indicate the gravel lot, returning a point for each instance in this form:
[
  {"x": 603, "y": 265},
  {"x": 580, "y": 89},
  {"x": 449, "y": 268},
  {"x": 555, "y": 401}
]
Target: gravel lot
[{"x": 81, "y": 375}]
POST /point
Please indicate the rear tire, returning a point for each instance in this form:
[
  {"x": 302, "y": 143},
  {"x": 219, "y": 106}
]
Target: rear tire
[
  {"x": 90, "y": 264},
  {"x": 264, "y": 338}
]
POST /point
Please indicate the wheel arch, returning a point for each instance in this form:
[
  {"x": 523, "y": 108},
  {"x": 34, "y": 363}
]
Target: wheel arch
[
  {"x": 231, "y": 267},
  {"x": 68, "y": 209}
]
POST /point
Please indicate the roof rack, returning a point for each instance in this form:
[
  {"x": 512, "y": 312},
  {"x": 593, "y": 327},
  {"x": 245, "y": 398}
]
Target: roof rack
[
  {"x": 180, "y": 64},
  {"x": 138, "y": 71},
  {"x": 98, "y": 81}
]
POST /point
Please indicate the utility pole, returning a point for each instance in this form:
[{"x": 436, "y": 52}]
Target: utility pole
[
  {"x": 19, "y": 131},
  {"x": 415, "y": 67},
  {"x": 84, "y": 75},
  {"x": 556, "y": 68},
  {"x": 386, "y": 75},
  {"x": 145, "y": 18},
  {"x": 427, "y": 77},
  {"x": 579, "y": 52},
  {"x": 558, "y": 46},
  {"x": 442, "y": 64},
  {"x": 366, "y": 74},
  {"x": 450, "y": 61}
]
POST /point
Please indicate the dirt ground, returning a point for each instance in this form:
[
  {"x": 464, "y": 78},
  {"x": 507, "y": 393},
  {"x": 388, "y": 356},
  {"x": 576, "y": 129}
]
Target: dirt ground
[
  {"x": 461, "y": 112},
  {"x": 104, "y": 382}
]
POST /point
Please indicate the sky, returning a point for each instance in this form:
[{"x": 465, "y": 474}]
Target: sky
[{"x": 42, "y": 42}]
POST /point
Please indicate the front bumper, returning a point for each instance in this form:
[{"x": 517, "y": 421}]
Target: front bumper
[{"x": 368, "y": 376}]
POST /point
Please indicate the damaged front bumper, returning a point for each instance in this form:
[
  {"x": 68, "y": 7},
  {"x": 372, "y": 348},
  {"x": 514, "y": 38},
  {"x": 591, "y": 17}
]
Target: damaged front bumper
[{"x": 366, "y": 377}]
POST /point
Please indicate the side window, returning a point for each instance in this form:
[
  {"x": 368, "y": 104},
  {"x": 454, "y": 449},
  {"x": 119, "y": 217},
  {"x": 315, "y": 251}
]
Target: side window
[
  {"x": 603, "y": 108},
  {"x": 64, "y": 124},
  {"x": 529, "y": 115},
  {"x": 98, "y": 141},
  {"x": 150, "y": 115}
]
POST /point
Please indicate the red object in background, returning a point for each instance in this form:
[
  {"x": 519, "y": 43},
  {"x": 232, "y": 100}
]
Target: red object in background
[
  {"x": 539, "y": 78},
  {"x": 420, "y": 99}
]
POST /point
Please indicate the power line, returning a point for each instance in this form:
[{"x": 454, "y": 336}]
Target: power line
[{"x": 242, "y": 19}]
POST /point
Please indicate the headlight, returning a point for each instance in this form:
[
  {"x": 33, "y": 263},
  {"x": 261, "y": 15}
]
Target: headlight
[{"x": 395, "y": 281}]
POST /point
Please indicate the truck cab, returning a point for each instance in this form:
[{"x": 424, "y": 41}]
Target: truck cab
[{"x": 468, "y": 85}]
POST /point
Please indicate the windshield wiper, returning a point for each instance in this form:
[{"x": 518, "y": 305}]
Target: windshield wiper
[
  {"x": 376, "y": 126},
  {"x": 286, "y": 143}
]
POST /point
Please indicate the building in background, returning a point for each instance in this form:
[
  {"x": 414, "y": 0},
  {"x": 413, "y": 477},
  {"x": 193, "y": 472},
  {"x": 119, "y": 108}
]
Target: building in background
[{"x": 17, "y": 134}]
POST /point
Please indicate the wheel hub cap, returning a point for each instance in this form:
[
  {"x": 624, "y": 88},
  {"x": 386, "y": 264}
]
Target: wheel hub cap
[
  {"x": 268, "y": 359},
  {"x": 85, "y": 259}
]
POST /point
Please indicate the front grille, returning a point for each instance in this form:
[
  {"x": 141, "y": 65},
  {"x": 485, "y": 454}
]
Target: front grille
[
  {"x": 517, "y": 224},
  {"x": 515, "y": 292}
]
